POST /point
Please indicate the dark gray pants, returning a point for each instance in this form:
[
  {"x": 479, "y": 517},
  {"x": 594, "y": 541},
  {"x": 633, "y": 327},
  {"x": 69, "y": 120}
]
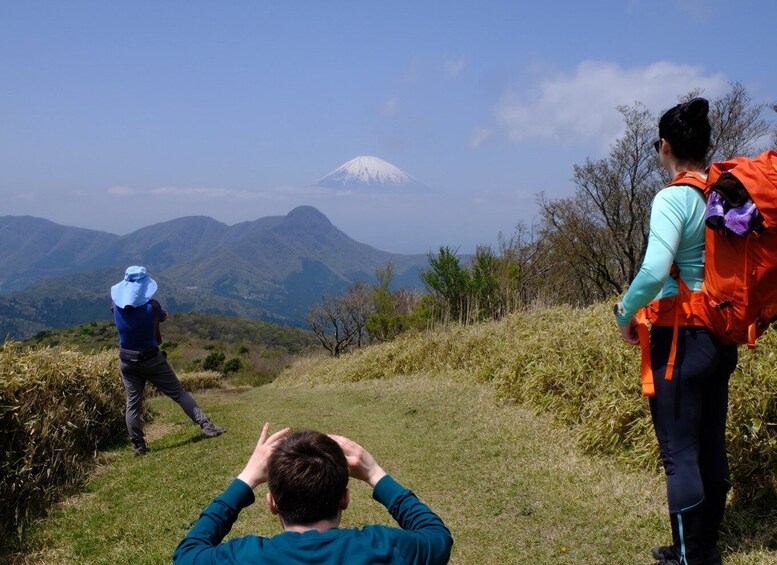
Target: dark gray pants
[{"x": 158, "y": 372}]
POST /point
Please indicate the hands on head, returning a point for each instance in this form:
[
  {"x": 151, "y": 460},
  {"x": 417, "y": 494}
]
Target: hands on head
[
  {"x": 361, "y": 465},
  {"x": 255, "y": 472}
]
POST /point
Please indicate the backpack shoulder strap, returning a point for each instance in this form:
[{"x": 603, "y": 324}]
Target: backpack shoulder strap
[{"x": 689, "y": 178}]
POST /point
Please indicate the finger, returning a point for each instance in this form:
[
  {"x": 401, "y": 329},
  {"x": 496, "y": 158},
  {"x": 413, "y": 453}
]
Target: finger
[
  {"x": 345, "y": 444},
  {"x": 263, "y": 435},
  {"x": 277, "y": 436}
]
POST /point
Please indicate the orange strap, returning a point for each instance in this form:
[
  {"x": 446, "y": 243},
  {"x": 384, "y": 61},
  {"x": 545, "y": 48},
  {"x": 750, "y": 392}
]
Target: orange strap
[
  {"x": 643, "y": 332},
  {"x": 675, "y": 311}
]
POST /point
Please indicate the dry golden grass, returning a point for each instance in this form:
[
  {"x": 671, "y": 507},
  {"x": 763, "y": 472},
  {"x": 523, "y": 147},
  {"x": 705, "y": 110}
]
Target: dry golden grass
[
  {"x": 57, "y": 407},
  {"x": 572, "y": 364}
]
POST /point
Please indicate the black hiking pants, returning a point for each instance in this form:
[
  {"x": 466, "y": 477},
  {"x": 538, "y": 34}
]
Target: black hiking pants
[{"x": 689, "y": 412}]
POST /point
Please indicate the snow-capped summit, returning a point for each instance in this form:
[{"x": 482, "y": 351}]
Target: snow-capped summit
[{"x": 366, "y": 171}]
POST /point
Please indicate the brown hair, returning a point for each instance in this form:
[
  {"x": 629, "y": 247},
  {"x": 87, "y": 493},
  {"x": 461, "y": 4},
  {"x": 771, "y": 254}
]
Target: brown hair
[{"x": 307, "y": 477}]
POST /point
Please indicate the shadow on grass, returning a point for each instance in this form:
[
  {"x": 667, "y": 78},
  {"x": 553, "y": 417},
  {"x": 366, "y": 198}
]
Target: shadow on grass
[
  {"x": 751, "y": 525},
  {"x": 179, "y": 443},
  {"x": 14, "y": 529}
]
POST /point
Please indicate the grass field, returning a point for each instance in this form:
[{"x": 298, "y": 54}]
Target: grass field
[{"x": 512, "y": 486}]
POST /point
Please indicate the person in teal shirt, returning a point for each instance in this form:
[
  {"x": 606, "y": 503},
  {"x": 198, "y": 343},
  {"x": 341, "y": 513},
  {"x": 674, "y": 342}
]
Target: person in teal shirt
[
  {"x": 689, "y": 404},
  {"x": 307, "y": 474}
]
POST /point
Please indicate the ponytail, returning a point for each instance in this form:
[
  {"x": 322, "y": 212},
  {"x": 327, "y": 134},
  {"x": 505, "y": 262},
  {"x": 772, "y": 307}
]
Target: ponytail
[{"x": 687, "y": 128}]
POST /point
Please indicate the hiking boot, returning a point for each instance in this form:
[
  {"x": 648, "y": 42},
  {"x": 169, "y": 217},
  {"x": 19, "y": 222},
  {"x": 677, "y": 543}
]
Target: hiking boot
[
  {"x": 209, "y": 429},
  {"x": 139, "y": 449},
  {"x": 665, "y": 555}
]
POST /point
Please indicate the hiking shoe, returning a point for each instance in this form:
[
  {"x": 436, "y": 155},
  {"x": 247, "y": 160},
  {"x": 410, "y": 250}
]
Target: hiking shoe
[
  {"x": 665, "y": 555},
  {"x": 209, "y": 429},
  {"x": 140, "y": 449}
]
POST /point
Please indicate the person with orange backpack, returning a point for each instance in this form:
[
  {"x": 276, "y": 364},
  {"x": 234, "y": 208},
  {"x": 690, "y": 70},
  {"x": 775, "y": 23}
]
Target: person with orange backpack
[{"x": 686, "y": 367}]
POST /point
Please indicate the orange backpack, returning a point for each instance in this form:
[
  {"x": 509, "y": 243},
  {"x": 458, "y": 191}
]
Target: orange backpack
[{"x": 738, "y": 298}]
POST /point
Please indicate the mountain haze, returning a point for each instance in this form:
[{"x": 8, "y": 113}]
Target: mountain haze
[{"x": 272, "y": 268}]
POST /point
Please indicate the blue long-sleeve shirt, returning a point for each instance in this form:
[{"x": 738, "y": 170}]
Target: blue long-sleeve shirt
[
  {"x": 676, "y": 234},
  {"x": 422, "y": 539}
]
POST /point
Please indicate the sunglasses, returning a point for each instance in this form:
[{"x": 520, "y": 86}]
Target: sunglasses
[{"x": 657, "y": 145}]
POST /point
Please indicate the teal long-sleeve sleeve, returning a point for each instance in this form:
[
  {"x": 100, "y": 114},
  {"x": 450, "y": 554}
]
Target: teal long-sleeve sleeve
[
  {"x": 676, "y": 235},
  {"x": 423, "y": 537}
]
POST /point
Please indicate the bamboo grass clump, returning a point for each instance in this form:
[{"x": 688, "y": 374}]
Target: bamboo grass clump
[
  {"x": 571, "y": 363},
  {"x": 201, "y": 380},
  {"x": 57, "y": 407}
]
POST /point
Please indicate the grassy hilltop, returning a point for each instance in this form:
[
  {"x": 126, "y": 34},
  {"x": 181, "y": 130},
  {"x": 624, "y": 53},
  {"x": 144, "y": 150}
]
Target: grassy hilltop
[{"x": 528, "y": 436}]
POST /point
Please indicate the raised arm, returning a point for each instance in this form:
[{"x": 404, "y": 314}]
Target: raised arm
[
  {"x": 202, "y": 545},
  {"x": 433, "y": 541}
]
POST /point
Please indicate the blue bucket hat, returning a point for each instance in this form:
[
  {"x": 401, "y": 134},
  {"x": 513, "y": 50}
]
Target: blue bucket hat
[{"x": 135, "y": 290}]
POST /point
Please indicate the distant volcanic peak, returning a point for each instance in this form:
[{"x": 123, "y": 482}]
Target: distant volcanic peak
[
  {"x": 307, "y": 214},
  {"x": 365, "y": 171}
]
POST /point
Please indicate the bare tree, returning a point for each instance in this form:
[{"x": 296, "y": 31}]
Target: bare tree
[
  {"x": 774, "y": 130},
  {"x": 596, "y": 239},
  {"x": 737, "y": 125},
  {"x": 522, "y": 267},
  {"x": 339, "y": 322},
  {"x": 601, "y": 232},
  {"x": 357, "y": 305},
  {"x": 405, "y": 301},
  {"x": 332, "y": 325}
]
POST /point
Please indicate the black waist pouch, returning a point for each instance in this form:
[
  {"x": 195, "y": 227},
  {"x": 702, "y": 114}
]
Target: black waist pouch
[{"x": 130, "y": 356}]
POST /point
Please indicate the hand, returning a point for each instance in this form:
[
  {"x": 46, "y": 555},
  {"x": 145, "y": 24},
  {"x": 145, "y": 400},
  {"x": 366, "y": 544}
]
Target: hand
[
  {"x": 361, "y": 465},
  {"x": 629, "y": 332},
  {"x": 255, "y": 472}
]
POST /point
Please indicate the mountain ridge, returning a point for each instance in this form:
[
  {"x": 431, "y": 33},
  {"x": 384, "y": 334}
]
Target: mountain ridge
[{"x": 271, "y": 268}]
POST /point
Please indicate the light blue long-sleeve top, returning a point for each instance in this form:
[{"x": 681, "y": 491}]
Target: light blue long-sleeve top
[{"x": 676, "y": 234}]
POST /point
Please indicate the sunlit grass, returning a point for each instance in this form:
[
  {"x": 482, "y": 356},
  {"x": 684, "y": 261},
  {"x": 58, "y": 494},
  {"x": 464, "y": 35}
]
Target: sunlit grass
[
  {"x": 512, "y": 487},
  {"x": 529, "y": 436}
]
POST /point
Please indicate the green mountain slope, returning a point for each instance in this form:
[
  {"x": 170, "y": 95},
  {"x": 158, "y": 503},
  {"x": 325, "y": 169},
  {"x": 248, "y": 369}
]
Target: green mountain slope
[{"x": 271, "y": 269}]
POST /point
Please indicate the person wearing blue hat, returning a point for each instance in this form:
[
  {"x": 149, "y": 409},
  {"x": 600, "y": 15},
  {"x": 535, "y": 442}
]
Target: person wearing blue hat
[{"x": 137, "y": 316}]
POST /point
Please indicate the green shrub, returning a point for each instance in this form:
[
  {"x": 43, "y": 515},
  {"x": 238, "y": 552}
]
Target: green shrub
[
  {"x": 214, "y": 361},
  {"x": 57, "y": 407},
  {"x": 232, "y": 366}
]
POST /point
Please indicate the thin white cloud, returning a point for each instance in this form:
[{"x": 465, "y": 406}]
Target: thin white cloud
[
  {"x": 390, "y": 106},
  {"x": 121, "y": 191},
  {"x": 480, "y": 135},
  {"x": 453, "y": 67},
  {"x": 581, "y": 106},
  {"x": 191, "y": 193}
]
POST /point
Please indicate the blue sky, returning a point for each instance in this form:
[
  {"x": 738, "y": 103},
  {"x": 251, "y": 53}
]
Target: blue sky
[{"x": 117, "y": 115}]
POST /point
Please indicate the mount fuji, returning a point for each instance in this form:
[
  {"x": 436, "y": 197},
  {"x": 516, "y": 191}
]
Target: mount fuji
[{"x": 368, "y": 172}]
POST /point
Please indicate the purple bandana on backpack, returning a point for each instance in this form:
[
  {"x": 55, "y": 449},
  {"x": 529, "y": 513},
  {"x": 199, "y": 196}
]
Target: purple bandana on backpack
[{"x": 739, "y": 219}]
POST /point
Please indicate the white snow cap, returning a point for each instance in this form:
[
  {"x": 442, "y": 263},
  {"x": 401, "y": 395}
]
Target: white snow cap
[{"x": 366, "y": 171}]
